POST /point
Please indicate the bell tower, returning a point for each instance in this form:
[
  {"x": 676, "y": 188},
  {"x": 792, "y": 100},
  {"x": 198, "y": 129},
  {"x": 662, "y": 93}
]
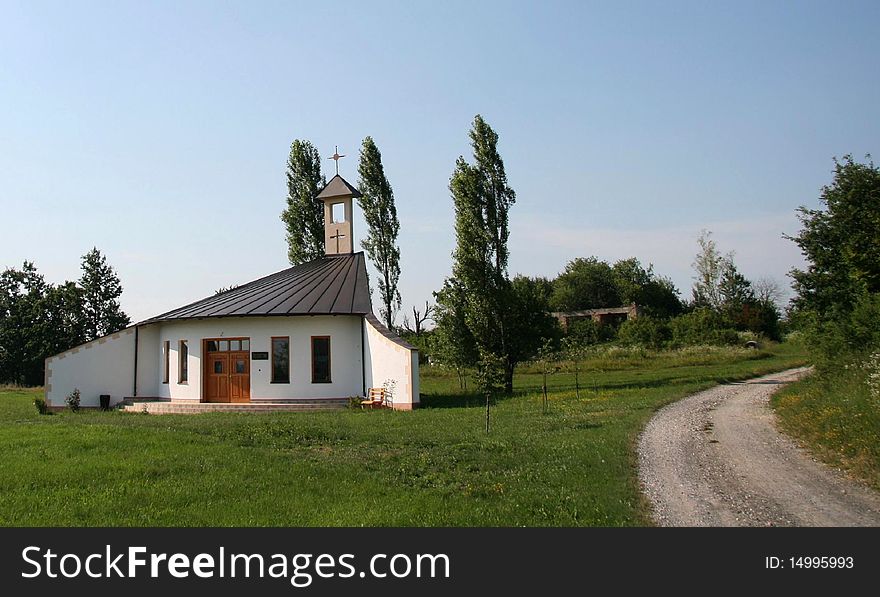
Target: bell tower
[{"x": 337, "y": 196}]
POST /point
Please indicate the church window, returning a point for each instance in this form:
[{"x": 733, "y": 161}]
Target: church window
[
  {"x": 320, "y": 359},
  {"x": 281, "y": 360},
  {"x": 183, "y": 369},
  {"x": 166, "y": 354}
]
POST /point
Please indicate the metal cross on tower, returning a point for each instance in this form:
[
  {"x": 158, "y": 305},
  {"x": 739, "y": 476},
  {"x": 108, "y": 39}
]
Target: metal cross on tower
[{"x": 335, "y": 157}]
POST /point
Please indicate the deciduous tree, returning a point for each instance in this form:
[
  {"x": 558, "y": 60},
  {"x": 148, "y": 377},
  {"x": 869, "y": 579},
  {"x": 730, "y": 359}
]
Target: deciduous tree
[
  {"x": 709, "y": 266},
  {"x": 841, "y": 241},
  {"x": 586, "y": 283},
  {"x": 101, "y": 290},
  {"x": 22, "y": 325}
]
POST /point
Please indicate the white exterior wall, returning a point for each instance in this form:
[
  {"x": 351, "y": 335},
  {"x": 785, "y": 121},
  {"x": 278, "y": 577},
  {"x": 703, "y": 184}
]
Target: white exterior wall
[
  {"x": 148, "y": 361},
  {"x": 346, "y": 362},
  {"x": 103, "y": 366},
  {"x": 106, "y": 365},
  {"x": 387, "y": 360}
]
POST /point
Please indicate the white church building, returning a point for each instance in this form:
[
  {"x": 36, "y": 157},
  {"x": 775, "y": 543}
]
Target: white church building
[{"x": 303, "y": 336}]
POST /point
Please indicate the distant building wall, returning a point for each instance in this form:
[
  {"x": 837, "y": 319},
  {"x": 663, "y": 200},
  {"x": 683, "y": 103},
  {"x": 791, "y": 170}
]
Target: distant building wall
[{"x": 604, "y": 316}]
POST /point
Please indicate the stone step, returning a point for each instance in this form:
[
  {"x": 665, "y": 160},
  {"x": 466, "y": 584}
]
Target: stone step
[{"x": 175, "y": 407}]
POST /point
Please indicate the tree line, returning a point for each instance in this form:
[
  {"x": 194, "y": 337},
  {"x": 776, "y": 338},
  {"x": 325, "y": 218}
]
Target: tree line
[
  {"x": 489, "y": 322},
  {"x": 39, "y": 319}
]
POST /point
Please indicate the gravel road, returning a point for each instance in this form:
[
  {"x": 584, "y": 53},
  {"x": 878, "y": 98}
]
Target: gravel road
[{"x": 717, "y": 459}]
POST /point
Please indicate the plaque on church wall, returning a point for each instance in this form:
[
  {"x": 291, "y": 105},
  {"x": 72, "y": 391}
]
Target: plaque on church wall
[{"x": 260, "y": 356}]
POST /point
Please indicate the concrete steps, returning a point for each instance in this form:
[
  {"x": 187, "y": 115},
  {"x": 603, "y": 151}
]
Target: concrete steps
[{"x": 179, "y": 407}]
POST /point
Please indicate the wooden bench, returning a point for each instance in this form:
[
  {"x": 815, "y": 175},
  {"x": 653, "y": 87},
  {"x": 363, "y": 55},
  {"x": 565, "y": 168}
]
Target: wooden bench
[{"x": 375, "y": 399}]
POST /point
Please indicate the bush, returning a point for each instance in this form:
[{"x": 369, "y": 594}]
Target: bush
[
  {"x": 586, "y": 331},
  {"x": 41, "y": 406},
  {"x": 844, "y": 337},
  {"x": 761, "y": 318},
  {"x": 645, "y": 331},
  {"x": 702, "y": 326},
  {"x": 72, "y": 400}
]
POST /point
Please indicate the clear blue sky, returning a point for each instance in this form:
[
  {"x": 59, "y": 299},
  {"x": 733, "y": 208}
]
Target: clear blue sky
[{"x": 159, "y": 131}]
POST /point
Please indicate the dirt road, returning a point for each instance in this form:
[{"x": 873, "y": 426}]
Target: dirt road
[{"x": 717, "y": 459}]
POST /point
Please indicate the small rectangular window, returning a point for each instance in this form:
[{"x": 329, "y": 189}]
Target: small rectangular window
[
  {"x": 281, "y": 360},
  {"x": 320, "y": 359},
  {"x": 224, "y": 345},
  {"x": 212, "y": 346},
  {"x": 166, "y": 355},
  {"x": 245, "y": 345},
  {"x": 235, "y": 345},
  {"x": 183, "y": 369}
]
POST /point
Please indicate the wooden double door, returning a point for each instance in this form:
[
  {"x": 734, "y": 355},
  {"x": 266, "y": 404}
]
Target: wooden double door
[{"x": 227, "y": 370}]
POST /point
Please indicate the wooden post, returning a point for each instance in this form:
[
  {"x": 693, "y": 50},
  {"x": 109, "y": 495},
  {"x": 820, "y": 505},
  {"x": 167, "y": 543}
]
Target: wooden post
[
  {"x": 545, "y": 403},
  {"x": 487, "y": 411}
]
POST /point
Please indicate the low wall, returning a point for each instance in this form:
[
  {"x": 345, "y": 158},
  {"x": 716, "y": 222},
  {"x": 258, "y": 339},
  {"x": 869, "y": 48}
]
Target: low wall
[
  {"x": 387, "y": 357},
  {"x": 102, "y": 366}
]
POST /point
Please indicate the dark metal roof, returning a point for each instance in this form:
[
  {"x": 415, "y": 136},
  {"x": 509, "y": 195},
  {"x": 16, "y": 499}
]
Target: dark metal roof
[
  {"x": 338, "y": 187},
  {"x": 332, "y": 285}
]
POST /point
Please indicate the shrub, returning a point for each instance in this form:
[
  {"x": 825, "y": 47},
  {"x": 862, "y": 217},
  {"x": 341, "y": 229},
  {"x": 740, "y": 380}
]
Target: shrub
[
  {"x": 844, "y": 337},
  {"x": 871, "y": 367},
  {"x": 761, "y": 317},
  {"x": 645, "y": 331},
  {"x": 72, "y": 400},
  {"x": 586, "y": 331},
  {"x": 702, "y": 326},
  {"x": 41, "y": 406}
]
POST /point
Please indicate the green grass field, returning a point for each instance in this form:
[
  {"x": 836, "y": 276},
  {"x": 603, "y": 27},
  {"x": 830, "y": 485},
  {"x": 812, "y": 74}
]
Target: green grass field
[
  {"x": 834, "y": 414},
  {"x": 433, "y": 467}
]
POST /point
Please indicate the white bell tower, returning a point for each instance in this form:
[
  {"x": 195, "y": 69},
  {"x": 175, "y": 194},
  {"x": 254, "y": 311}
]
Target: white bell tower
[{"x": 337, "y": 197}]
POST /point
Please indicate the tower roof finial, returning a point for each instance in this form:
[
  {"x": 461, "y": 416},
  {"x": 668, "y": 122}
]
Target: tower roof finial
[{"x": 335, "y": 157}]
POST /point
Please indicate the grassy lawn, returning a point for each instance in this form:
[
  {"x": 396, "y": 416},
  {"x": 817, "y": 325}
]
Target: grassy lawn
[
  {"x": 834, "y": 414},
  {"x": 433, "y": 467}
]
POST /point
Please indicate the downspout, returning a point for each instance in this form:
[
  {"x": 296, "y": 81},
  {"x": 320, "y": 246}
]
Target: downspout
[
  {"x": 135, "y": 384},
  {"x": 363, "y": 356}
]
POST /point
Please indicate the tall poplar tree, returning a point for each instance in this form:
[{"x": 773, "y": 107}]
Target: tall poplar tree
[
  {"x": 482, "y": 199},
  {"x": 304, "y": 215},
  {"x": 377, "y": 204},
  {"x": 101, "y": 289}
]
